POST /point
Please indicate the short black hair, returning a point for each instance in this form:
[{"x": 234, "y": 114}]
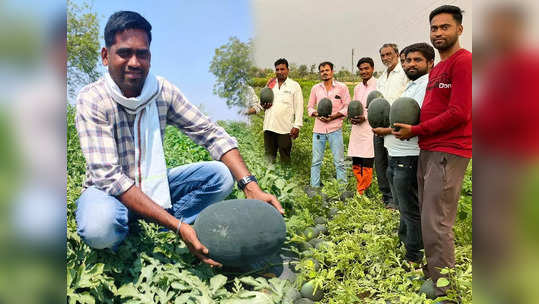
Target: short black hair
[
  {"x": 403, "y": 51},
  {"x": 281, "y": 61},
  {"x": 365, "y": 60},
  {"x": 124, "y": 20},
  {"x": 424, "y": 48},
  {"x": 391, "y": 45},
  {"x": 325, "y": 63},
  {"x": 454, "y": 11}
]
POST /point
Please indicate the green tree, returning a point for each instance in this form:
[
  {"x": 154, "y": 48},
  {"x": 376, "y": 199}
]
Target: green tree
[
  {"x": 82, "y": 45},
  {"x": 231, "y": 65}
]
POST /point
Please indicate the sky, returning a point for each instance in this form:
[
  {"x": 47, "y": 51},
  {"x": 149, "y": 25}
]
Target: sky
[
  {"x": 185, "y": 35},
  {"x": 311, "y": 31}
]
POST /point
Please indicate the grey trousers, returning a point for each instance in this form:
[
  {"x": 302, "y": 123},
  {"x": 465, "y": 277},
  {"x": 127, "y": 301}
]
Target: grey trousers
[{"x": 439, "y": 178}]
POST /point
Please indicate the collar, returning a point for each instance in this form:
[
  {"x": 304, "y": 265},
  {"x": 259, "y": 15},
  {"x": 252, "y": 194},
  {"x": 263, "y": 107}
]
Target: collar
[{"x": 397, "y": 69}]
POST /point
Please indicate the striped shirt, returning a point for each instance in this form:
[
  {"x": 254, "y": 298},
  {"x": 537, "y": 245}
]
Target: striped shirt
[{"x": 106, "y": 133}]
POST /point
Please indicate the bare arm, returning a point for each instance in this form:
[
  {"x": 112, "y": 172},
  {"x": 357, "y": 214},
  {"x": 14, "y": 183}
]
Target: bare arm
[{"x": 136, "y": 200}]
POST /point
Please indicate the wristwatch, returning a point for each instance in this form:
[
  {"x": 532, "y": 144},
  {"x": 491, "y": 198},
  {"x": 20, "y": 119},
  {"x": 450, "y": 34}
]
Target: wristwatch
[{"x": 244, "y": 181}]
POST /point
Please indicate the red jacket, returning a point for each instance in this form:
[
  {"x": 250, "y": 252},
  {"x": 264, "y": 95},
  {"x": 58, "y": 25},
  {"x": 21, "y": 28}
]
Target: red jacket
[{"x": 446, "y": 114}]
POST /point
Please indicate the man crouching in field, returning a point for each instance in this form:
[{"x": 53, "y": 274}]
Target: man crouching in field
[{"x": 121, "y": 119}]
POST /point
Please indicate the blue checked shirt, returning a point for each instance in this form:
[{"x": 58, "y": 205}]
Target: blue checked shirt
[{"x": 106, "y": 133}]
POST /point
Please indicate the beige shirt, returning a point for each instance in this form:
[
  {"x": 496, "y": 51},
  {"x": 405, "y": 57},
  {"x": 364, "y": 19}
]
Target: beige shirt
[
  {"x": 392, "y": 86},
  {"x": 287, "y": 109}
]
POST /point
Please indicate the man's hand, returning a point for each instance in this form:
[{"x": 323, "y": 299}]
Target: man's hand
[
  {"x": 382, "y": 131},
  {"x": 357, "y": 120},
  {"x": 405, "y": 131},
  {"x": 315, "y": 114},
  {"x": 267, "y": 105},
  {"x": 325, "y": 119},
  {"x": 294, "y": 133},
  {"x": 253, "y": 191},
  {"x": 233, "y": 160},
  {"x": 189, "y": 237}
]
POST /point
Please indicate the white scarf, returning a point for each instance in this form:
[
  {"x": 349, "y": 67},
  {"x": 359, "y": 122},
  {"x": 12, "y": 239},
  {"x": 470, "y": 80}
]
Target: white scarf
[{"x": 151, "y": 170}]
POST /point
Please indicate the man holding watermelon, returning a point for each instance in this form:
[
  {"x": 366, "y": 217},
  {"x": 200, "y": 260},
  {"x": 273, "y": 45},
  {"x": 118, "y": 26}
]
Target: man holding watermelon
[
  {"x": 445, "y": 140},
  {"x": 121, "y": 119}
]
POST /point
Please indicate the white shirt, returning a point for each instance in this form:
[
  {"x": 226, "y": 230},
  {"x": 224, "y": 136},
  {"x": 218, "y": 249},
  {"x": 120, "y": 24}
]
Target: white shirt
[
  {"x": 286, "y": 111},
  {"x": 392, "y": 86},
  {"x": 396, "y": 147}
]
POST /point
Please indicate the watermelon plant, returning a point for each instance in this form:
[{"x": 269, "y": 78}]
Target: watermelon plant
[{"x": 361, "y": 260}]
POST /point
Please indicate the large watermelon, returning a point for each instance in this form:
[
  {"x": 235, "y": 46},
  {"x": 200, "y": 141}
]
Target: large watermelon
[
  {"x": 378, "y": 113},
  {"x": 266, "y": 96},
  {"x": 238, "y": 232},
  {"x": 355, "y": 108},
  {"x": 404, "y": 110},
  {"x": 373, "y": 95},
  {"x": 325, "y": 107}
]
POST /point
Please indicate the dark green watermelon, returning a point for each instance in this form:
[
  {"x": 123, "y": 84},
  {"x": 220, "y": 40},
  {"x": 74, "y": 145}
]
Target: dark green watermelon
[
  {"x": 373, "y": 95},
  {"x": 355, "y": 108},
  {"x": 404, "y": 110},
  {"x": 324, "y": 107},
  {"x": 237, "y": 232},
  {"x": 378, "y": 113},
  {"x": 266, "y": 96},
  {"x": 307, "y": 291}
]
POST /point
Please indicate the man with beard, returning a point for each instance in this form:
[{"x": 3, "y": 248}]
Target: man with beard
[
  {"x": 391, "y": 84},
  {"x": 121, "y": 119},
  {"x": 403, "y": 155},
  {"x": 445, "y": 139},
  {"x": 328, "y": 129},
  {"x": 284, "y": 117},
  {"x": 360, "y": 146}
]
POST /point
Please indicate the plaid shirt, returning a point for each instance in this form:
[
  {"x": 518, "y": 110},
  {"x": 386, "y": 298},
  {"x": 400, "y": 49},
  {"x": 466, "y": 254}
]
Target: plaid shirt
[{"x": 106, "y": 133}]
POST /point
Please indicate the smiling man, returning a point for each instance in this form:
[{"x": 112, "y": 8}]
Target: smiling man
[
  {"x": 445, "y": 140},
  {"x": 360, "y": 146},
  {"x": 328, "y": 129},
  {"x": 121, "y": 120}
]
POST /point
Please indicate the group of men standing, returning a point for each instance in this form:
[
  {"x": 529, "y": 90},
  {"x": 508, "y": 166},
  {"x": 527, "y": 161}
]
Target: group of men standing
[{"x": 419, "y": 168}]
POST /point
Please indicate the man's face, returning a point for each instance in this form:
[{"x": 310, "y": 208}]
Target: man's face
[
  {"x": 281, "y": 71},
  {"x": 389, "y": 57},
  {"x": 444, "y": 31},
  {"x": 416, "y": 65},
  {"x": 128, "y": 61},
  {"x": 403, "y": 58},
  {"x": 365, "y": 71},
  {"x": 326, "y": 73}
]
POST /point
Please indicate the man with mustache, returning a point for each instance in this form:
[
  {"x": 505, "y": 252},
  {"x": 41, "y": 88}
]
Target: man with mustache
[
  {"x": 284, "y": 117},
  {"x": 328, "y": 129},
  {"x": 121, "y": 120},
  {"x": 403, "y": 155},
  {"x": 391, "y": 84},
  {"x": 445, "y": 140}
]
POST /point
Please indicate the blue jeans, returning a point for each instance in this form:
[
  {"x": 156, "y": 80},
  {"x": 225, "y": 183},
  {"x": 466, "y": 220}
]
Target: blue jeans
[
  {"x": 102, "y": 220},
  {"x": 337, "y": 149},
  {"x": 402, "y": 176}
]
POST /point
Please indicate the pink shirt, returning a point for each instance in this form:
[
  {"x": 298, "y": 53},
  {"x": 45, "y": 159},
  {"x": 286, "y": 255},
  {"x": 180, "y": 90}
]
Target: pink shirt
[
  {"x": 361, "y": 136},
  {"x": 340, "y": 98}
]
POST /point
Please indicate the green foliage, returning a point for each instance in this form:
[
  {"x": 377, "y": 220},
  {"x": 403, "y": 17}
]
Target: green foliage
[
  {"x": 231, "y": 65},
  {"x": 82, "y": 45},
  {"x": 360, "y": 260}
]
